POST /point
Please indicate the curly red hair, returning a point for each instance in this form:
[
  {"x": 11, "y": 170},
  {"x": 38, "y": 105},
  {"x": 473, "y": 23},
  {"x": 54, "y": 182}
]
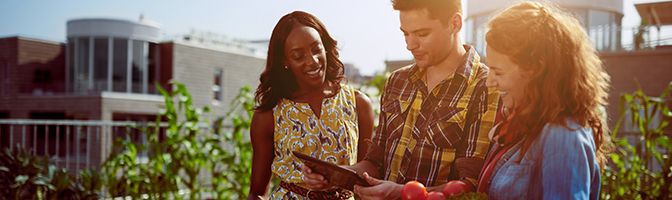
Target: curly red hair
[{"x": 567, "y": 80}]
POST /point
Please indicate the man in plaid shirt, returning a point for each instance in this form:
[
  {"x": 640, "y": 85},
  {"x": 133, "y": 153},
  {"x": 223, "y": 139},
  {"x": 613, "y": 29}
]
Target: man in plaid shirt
[{"x": 435, "y": 114}]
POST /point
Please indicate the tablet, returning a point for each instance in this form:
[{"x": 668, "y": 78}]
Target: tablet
[{"x": 336, "y": 175}]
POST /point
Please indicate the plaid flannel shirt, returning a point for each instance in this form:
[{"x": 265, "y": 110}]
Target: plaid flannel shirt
[{"x": 422, "y": 135}]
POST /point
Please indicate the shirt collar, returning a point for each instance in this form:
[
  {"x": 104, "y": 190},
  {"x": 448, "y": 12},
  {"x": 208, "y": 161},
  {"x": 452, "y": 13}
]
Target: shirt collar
[{"x": 471, "y": 58}]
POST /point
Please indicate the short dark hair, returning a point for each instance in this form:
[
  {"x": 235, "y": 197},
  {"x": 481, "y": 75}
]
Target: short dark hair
[
  {"x": 276, "y": 82},
  {"x": 442, "y": 10}
]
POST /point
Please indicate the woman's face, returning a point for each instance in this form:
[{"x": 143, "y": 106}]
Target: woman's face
[
  {"x": 306, "y": 57},
  {"x": 507, "y": 77}
]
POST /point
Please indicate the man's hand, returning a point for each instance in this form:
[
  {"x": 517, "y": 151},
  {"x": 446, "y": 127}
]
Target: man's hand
[
  {"x": 456, "y": 187},
  {"x": 384, "y": 190},
  {"x": 314, "y": 181}
]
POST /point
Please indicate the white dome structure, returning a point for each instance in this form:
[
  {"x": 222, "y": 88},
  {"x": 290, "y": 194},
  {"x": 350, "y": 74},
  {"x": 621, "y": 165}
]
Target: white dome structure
[
  {"x": 112, "y": 55},
  {"x": 601, "y": 18}
]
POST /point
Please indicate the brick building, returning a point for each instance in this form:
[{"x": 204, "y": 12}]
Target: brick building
[{"x": 107, "y": 71}]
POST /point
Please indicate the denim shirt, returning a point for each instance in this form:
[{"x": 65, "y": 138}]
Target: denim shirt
[{"x": 560, "y": 164}]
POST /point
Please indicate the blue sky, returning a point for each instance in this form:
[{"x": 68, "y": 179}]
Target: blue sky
[{"x": 367, "y": 30}]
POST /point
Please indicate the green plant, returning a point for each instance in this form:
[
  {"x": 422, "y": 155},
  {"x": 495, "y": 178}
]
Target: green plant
[
  {"x": 642, "y": 170},
  {"x": 189, "y": 151},
  {"x": 232, "y": 171},
  {"x": 377, "y": 81},
  {"x": 127, "y": 177},
  {"x": 24, "y": 175},
  {"x": 470, "y": 196}
]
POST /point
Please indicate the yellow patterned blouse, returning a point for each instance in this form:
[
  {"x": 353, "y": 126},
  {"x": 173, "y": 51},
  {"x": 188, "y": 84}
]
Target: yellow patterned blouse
[{"x": 332, "y": 137}]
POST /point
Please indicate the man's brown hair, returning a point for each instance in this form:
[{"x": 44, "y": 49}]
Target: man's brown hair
[{"x": 442, "y": 10}]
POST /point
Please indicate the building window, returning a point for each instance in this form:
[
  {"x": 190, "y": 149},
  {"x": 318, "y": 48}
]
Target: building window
[
  {"x": 469, "y": 31},
  {"x": 476, "y": 32},
  {"x": 41, "y": 76},
  {"x": 70, "y": 62},
  {"x": 217, "y": 86},
  {"x": 153, "y": 70},
  {"x": 119, "y": 64},
  {"x": 100, "y": 55},
  {"x": 4, "y": 129},
  {"x": 81, "y": 65},
  {"x": 139, "y": 67}
]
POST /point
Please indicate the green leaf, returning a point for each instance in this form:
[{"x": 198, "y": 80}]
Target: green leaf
[
  {"x": 21, "y": 179},
  {"x": 664, "y": 142}
]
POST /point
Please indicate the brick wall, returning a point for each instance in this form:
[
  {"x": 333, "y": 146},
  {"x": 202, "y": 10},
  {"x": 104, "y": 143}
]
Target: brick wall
[
  {"x": 8, "y": 56},
  {"x": 40, "y": 67},
  {"x": 166, "y": 64},
  {"x": 74, "y": 107},
  {"x": 652, "y": 69}
]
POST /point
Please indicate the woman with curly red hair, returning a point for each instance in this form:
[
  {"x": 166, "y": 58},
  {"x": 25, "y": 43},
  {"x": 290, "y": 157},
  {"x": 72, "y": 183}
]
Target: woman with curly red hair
[{"x": 553, "y": 86}]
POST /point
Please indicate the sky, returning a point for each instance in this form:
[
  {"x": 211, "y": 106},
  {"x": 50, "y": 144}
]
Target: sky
[{"x": 367, "y": 30}]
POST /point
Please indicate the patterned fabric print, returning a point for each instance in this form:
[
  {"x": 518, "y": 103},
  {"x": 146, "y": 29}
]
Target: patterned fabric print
[
  {"x": 421, "y": 133},
  {"x": 332, "y": 137}
]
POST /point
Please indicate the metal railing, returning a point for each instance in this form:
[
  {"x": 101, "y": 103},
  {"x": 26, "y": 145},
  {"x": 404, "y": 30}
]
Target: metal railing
[
  {"x": 607, "y": 38},
  {"x": 70, "y": 144},
  {"x": 618, "y": 38}
]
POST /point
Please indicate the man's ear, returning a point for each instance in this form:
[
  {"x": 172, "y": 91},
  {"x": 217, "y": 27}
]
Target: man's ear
[{"x": 456, "y": 23}]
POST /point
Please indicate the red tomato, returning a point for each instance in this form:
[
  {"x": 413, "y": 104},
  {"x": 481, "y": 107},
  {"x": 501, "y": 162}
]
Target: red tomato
[
  {"x": 453, "y": 188},
  {"x": 414, "y": 190},
  {"x": 436, "y": 196}
]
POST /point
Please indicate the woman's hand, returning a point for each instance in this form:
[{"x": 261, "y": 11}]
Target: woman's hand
[
  {"x": 384, "y": 190},
  {"x": 314, "y": 181}
]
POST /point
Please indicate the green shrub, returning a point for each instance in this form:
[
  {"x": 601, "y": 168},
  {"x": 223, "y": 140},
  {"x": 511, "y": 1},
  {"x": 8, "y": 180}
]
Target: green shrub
[
  {"x": 632, "y": 172},
  {"x": 190, "y": 151},
  {"x": 24, "y": 175}
]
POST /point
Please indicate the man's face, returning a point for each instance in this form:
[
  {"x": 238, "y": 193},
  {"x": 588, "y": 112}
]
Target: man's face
[{"x": 426, "y": 38}]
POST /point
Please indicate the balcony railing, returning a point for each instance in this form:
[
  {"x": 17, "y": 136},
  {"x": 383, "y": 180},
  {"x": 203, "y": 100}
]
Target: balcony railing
[
  {"x": 608, "y": 38},
  {"x": 616, "y": 38},
  {"x": 74, "y": 145}
]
